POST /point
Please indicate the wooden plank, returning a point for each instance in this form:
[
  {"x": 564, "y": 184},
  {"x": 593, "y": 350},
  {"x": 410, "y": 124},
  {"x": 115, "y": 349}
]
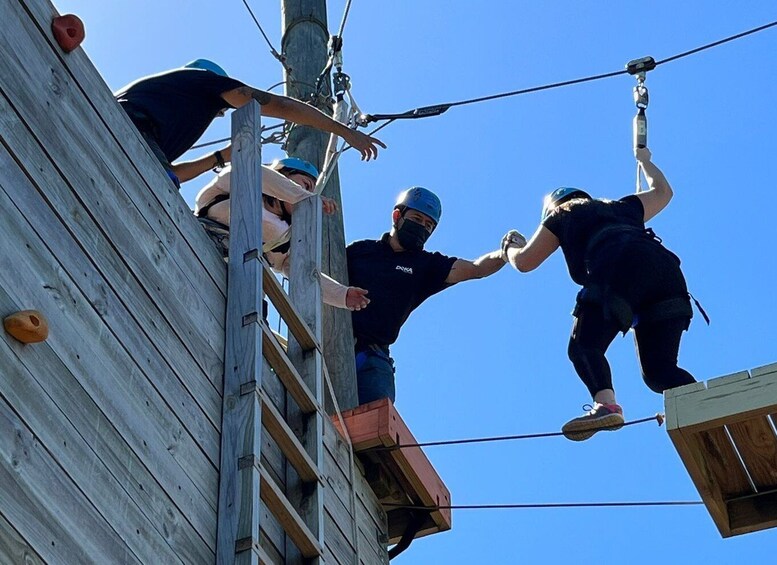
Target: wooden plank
[
  {"x": 32, "y": 222},
  {"x": 288, "y": 442},
  {"x": 98, "y": 244},
  {"x": 763, "y": 370},
  {"x": 98, "y": 460},
  {"x": 287, "y": 373},
  {"x": 64, "y": 119},
  {"x": 756, "y": 442},
  {"x": 287, "y": 311},
  {"x": 753, "y": 513},
  {"x": 136, "y": 152},
  {"x": 272, "y": 537},
  {"x": 734, "y": 402},
  {"x": 108, "y": 374},
  {"x": 728, "y": 379},
  {"x": 14, "y": 548},
  {"x": 305, "y": 294},
  {"x": 46, "y": 506},
  {"x": 338, "y": 543},
  {"x": 289, "y": 518},
  {"x": 239, "y": 482}
]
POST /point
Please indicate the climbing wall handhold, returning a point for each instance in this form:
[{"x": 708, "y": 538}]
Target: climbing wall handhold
[
  {"x": 28, "y": 326},
  {"x": 68, "y": 31}
]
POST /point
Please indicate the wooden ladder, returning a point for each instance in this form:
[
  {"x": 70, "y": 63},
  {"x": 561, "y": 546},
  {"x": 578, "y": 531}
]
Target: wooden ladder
[{"x": 251, "y": 346}]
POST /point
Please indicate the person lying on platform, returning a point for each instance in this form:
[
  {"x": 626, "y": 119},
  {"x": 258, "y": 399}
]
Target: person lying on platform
[
  {"x": 628, "y": 277},
  {"x": 172, "y": 109},
  {"x": 399, "y": 275},
  {"x": 284, "y": 183}
]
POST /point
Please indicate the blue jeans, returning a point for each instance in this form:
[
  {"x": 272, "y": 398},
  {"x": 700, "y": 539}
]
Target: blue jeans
[{"x": 375, "y": 375}]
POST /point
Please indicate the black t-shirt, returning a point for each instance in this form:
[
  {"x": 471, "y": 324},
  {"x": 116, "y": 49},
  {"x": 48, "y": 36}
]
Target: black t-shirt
[
  {"x": 182, "y": 103},
  {"x": 398, "y": 282},
  {"x": 576, "y": 222}
]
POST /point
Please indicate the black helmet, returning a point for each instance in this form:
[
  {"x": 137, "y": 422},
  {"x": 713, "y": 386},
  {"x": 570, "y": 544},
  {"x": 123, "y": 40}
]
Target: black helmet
[{"x": 560, "y": 195}]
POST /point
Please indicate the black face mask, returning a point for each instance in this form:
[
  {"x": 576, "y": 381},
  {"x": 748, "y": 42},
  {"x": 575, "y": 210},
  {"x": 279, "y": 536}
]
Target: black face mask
[{"x": 412, "y": 236}]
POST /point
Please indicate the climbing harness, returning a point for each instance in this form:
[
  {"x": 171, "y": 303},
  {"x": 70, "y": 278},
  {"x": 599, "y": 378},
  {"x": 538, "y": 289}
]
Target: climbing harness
[{"x": 639, "y": 68}]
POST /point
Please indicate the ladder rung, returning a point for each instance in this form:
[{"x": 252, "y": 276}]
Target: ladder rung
[
  {"x": 288, "y": 517},
  {"x": 286, "y": 309},
  {"x": 291, "y": 447},
  {"x": 286, "y": 372}
]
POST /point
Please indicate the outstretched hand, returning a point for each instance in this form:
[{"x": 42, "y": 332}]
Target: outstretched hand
[
  {"x": 356, "y": 298},
  {"x": 513, "y": 238},
  {"x": 365, "y": 144}
]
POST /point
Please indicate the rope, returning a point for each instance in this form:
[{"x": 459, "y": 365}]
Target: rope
[
  {"x": 345, "y": 18},
  {"x": 545, "y": 505},
  {"x": 281, "y": 58},
  {"x": 658, "y": 418},
  {"x": 437, "y": 109},
  {"x": 269, "y": 139}
]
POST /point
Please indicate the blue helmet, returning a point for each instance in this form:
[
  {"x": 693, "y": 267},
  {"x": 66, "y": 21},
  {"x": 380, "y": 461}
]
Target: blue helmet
[
  {"x": 206, "y": 65},
  {"x": 421, "y": 199},
  {"x": 560, "y": 195},
  {"x": 297, "y": 165}
]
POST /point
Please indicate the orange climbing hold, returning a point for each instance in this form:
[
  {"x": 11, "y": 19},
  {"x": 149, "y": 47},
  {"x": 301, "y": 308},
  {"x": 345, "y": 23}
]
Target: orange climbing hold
[
  {"x": 68, "y": 31},
  {"x": 28, "y": 326}
]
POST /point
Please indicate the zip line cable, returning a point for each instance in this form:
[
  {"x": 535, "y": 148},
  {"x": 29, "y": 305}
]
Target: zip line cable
[
  {"x": 658, "y": 418},
  {"x": 345, "y": 18},
  {"x": 437, "y": 109},
  {"x": 281, "y": 58},
  {"x": 544, "y": 505}
]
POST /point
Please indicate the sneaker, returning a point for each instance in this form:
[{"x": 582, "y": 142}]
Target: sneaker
[{"x": 599, "y": 417}]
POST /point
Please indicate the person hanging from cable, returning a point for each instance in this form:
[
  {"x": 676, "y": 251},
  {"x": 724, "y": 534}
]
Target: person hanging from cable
[
  {"x": 284, "y": 183},
  {"x": 172, "y": 109},
  {"x": 399, "y": 275},
  {"x": 629, "y": 279}
]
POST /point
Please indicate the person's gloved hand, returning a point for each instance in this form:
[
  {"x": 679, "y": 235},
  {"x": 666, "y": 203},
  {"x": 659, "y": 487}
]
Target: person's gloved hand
[{"x": 513, "y": 238}]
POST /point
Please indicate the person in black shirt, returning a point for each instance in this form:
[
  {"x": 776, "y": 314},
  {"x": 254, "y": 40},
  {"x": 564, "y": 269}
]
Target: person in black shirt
[
  {"x": 173, "y": 109},
  {"x": 399, "y": 275},
  {"x": 629, "y": 280}
]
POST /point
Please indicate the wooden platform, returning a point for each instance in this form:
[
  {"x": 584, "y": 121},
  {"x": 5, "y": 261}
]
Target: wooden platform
[
  {"x": 401, "y": 476},
  {"x": 725, "y": 434}
]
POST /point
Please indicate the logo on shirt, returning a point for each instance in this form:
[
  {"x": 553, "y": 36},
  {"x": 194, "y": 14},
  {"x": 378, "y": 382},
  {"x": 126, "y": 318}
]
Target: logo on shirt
[{"x": 408, "y": 270}]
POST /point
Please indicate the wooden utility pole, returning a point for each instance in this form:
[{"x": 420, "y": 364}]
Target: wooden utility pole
[{"x": 305, "y": 45}]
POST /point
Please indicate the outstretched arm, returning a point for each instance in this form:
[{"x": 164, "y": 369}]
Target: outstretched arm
[
  {"x": 530, "y": 256},
  {"x": 286, "y": 108},
  {"x": 187, "y": 170},
  {"x": 659, "y": 191},
  {"x": 483, "y": 266}
]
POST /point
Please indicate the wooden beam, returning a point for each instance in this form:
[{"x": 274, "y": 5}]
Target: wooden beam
[
  {"x": 757, "y": 444},
  {"x": 287, "y": 373},
  {"x": 288, "y": 517},
  {"x": 753, "y": 513},
  {"x": 287, "y": 311},
  {"x": 288, "y": 442},
  {"x": 239, "y": 483},
  {"x": 305, "y": 292}
]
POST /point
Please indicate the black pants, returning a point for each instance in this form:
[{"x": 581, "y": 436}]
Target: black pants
[{"x": 643, "y": 274}]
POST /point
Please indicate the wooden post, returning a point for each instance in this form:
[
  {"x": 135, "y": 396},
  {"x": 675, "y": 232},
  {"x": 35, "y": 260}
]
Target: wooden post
[
  {"x": 238, "y": 517},
  {"x": 305, "y": 39},
  {"x": 305, "y": 292}
]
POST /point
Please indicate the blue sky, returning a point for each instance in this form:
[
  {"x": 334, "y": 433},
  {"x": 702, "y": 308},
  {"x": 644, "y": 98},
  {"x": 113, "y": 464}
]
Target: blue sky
[{"x": 489, "y": 357}]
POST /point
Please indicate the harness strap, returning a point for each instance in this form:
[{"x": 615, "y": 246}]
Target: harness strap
[{"x": 203, "y": 211}]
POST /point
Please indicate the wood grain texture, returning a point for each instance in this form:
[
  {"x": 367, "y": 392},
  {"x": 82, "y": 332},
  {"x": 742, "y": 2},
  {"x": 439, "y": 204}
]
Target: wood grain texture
[
  {"x": 757, "y": 444},
  {"x": 13, "y": 548},
  {"x": 57, "y": 111},
  {"x": 288, "y": 313},
  {"x": 239, "y": 482},
  {"x": 134, "y": 323},
  {"x": 156, "y": 190},
  {"x": 305, "y": 294},
  {"x": 83, "y": 442}
]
